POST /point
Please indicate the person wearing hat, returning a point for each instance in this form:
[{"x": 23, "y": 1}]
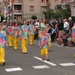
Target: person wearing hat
[
  {"x": 43, "y": 44},
  {"x": 3, "y": 42}
]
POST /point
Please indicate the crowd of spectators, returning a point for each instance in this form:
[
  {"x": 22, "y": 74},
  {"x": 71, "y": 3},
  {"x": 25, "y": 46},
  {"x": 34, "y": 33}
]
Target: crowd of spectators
[{"x": 61, "y": 31}]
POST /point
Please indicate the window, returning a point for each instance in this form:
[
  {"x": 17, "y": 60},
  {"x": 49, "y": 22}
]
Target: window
[
  {"x": 47, "y": 0},
  {"x": 17, "y": 7},
  {"x": 42, "y": 8},
  {"x": 31, "y": 8},
  {"x": 43, "y": 0},
  {"x": 31, "y": 0}
]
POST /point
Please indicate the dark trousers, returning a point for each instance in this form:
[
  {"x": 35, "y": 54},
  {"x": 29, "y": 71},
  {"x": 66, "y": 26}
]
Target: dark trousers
[
  {"x": 53, "y": 37},
  {"x": 36, "y": 36},
  {"x": 64, "y": 41}
]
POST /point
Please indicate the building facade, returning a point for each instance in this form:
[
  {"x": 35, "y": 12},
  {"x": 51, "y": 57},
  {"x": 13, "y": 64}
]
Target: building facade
[
  {"x": 24, "y": 9},
  {"x": 72, "y": 6},
  {"x": 2, "y": 7}
]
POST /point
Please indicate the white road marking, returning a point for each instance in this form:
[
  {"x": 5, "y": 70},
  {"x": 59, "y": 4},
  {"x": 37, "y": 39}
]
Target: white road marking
[
  {"x": 47, "y": 62},
  {"x": 13, "y": 69},
  {"x": 40, "y": 67},
  {"x": 67, "y": 64}
]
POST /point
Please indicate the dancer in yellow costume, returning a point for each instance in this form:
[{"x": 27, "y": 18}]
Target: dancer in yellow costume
[
  {"x": 24, "y": 32},
  {"x": 31, "y": 31},
  {"x": 16, "y": 36},
  {"x": 43, "y": 43},
  {"x": 42, "y": 25},
  {"x": 10, "y": 34},
  {"x": 3, "y": 42}
]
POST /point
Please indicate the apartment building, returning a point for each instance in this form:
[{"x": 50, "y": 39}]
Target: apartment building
[
  {"x": 72, "y": 5},
  {"x": 36, "y": 7},
  {"x": 2, "y": 7},
  {"x": 24, "y": 9}
]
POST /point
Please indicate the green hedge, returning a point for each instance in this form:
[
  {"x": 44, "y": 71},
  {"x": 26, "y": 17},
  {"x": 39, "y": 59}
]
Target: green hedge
[
  {"x": 2, "y": 18},
  {"x": 73, "y": 18}
]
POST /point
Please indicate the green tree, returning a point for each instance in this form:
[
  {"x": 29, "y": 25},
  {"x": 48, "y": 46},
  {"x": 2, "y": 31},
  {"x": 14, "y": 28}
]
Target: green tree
[
  {"x": 57, "y": 14},
  {"x": 48, "y": 13},
  {"x": 65, "y": 10},
  {"x": 33, "y": 17},
  {"x": 2, "y": 17}
]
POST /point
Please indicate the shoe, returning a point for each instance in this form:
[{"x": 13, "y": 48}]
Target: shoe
[
  {"x": 31, "y": 44},
  {"x": 3, "y": 64},
  {"x": 49, "y": 51},
  {"x": 47, "y": 59},
  {"x": 74, "y": 55},
  {"x": 15, "y": 49},
  {"x": 10, "y": 46},
  {"x": 43, "y": 59},
  {"x": 24, "y": 53}
]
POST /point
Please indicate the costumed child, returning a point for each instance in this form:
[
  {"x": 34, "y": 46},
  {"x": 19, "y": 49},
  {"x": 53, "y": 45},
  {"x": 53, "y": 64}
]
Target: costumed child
[
  {"x": 43, "y": 44},
  {"x": 49, "y": 40},
  {"x": 10, "y": 32},
  {"x": 16, "y": 36},
  {"x": 3, "y": 42},
  {"x": 39, "y": 33},
  {"x": 24, "y": 33},
  {"x": 73, "y": 35},
  {"x": 31, "y": 33}
]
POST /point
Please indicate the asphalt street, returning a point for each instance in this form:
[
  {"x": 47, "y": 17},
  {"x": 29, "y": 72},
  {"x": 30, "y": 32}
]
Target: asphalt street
[{"x": 61, "y": 61}]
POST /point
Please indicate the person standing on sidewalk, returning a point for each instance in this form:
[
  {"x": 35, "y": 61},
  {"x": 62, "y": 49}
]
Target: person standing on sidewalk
[{"x": 60, "y": 27}]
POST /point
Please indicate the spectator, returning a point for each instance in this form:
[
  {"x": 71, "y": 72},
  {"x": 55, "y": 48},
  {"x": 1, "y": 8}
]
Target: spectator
[
  {"x": 62, "y": 39},
  {"x": 69, "y": 38},
  {"x": 66, "y": 26},
  {"x": 70, "y": 22},
  {"x": 60, "y": 26}
]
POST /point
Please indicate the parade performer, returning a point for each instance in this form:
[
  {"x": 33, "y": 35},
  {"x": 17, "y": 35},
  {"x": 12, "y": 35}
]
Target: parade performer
[
  {"x": 31, "y": 33},
  {"x": 43, "y": 24},
  {"x": 73, "y": 35},
  {"x": 16, "y": 36},
  {"x": 43, "y": 43},
  {"x": 4, "y": 28},
  {"x": 49, "y": 39},
  {"x": 10, "y": 34},
  {"x": 3, "y": 42},
  {"x": 24, "y": 32}
]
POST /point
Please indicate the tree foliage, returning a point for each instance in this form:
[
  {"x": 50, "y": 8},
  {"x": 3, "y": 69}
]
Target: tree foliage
[
  {"x": 33, "y": 17},
  {"x": 48, "y": 11},
  {"x": 60, "y": 12},
  {"x": 2, "y": 17}
]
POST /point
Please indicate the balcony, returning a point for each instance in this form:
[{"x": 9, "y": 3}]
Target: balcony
[
  {"x": 17, "y": 12},
  {"x": 17, "y": 2}
]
